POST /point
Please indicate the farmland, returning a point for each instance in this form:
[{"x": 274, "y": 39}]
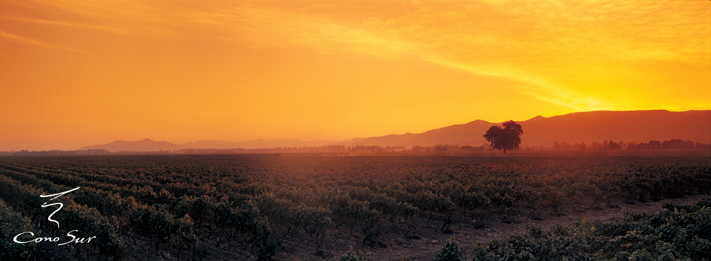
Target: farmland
[{"x": 285, "y": 207}]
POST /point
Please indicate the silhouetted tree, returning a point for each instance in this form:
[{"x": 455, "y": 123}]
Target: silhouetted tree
[
  {"x": 642, "y": 146},
  {"x": 677, "y": 144},
  {"x": 613, "y": 146},
  {"x": 506, "y": 138}
]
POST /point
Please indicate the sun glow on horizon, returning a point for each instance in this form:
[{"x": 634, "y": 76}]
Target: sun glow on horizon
[{"x": 75, "y": 73}]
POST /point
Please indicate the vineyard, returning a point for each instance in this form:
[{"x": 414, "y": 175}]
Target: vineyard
[
  {"x": 272, "y": 207},
  {"x": 678, "y": 232}
]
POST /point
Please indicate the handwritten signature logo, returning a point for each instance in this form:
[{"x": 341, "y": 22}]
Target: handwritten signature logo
[{"x": 74, "y": 239}]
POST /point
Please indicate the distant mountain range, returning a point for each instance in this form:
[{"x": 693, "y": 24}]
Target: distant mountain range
[
  {"x": 140, "y": 145},
  {"x": 628, "y": 126},
  {"x": 151, "y": 145}
]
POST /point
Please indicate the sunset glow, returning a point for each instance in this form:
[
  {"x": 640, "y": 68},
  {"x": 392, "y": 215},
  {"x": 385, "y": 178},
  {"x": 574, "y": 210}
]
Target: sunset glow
[{"x": 86, "y": 72}]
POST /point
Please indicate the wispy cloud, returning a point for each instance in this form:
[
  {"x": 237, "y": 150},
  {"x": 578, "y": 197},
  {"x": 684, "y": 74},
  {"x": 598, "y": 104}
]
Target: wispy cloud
[
  {"x": 63, "y": 23},
  {"x": 38, "y": 43},
  {"x": 540, "y": 88}
]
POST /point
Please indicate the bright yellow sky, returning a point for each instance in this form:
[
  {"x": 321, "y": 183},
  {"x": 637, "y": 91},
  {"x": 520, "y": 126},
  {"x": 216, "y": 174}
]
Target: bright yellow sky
[{"x": 76, "y": 73}]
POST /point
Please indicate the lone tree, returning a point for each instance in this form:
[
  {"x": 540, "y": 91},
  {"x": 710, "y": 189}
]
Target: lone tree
[{"x": 507, "y": 138}]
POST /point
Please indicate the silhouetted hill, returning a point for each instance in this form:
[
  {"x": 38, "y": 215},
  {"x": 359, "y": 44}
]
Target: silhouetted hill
[
  {"x": 462, "y": 134},
  {"x": 637, "y": 126},
  {"x": 141, "y": 145}
]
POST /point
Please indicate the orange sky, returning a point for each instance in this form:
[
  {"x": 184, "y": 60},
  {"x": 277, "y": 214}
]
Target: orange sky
[{"x": 86, "y": 72}]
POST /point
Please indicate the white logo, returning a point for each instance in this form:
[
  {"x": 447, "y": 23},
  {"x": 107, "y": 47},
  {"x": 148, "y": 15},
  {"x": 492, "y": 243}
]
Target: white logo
[
  {"x": 73, "y": 239},
  {"x": 55, "y": 196}
]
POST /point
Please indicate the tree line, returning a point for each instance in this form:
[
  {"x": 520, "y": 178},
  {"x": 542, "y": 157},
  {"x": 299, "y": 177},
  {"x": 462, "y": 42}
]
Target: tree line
[{"x": 673, "y": 144}]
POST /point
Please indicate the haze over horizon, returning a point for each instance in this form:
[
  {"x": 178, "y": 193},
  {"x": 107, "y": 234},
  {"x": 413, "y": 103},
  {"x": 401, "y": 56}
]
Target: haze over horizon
[
  {"x": 158, "y": 139},
  {"x": 76, "y": 73},
  {"x": 578, "y": 127}
]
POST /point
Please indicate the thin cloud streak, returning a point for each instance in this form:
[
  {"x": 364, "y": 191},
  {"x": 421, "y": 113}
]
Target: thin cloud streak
[
  {"x": 61, "y": 23},
  {"x": 38, "y": 43},
  {"x": 544, "y": 90}
]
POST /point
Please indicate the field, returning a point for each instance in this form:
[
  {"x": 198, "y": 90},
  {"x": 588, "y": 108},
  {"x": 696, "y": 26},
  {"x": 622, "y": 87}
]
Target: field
[{"x": 313, "y": 207}]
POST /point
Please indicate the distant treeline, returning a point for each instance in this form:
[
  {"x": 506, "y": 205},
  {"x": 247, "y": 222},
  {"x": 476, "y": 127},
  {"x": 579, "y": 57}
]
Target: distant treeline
[
  {"x": 673, "y": 144},
  {"x": 54, "y": 152},
  {"x": 320, "y": 149}
]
